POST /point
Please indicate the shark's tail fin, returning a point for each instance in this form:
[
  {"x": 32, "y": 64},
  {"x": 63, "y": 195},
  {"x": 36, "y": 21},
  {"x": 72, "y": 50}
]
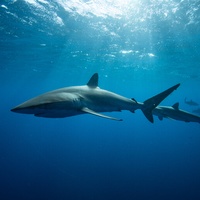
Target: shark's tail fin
[{"x": 154, "y": 101}]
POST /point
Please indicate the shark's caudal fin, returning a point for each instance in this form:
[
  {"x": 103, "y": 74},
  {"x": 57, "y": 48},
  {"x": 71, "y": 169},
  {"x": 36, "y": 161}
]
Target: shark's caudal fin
[{"x": 154, "y": 101}]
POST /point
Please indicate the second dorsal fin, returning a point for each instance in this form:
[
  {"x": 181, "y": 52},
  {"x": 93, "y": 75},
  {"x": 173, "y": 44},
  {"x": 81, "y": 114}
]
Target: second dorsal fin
[
  {"x": 93, "y": 82},
  {"x": 176, "y": 106}
]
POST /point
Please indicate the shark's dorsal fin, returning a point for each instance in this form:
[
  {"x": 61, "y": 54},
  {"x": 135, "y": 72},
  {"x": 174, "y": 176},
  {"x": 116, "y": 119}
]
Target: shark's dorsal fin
[
  {"x": 176, "y": 106},
  {"x": 93, "y": 82}
]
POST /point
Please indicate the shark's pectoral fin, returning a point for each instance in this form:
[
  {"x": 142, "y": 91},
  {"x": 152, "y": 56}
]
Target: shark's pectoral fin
[{"x": 87, "y": 110}]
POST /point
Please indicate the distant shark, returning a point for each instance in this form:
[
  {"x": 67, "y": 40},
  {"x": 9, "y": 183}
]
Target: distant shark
[
  {"x": 173, "y": 112},
  {"x": 76, "y": 100},
  {"x": 191, "y": 102}
]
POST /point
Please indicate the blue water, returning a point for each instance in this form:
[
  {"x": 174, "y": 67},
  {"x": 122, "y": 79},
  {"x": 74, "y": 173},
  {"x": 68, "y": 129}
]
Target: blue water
[{"x": 139, "y": 48}]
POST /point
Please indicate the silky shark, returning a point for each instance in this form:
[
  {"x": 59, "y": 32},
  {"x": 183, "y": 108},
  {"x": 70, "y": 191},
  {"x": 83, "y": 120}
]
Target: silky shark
[
  {"x": 191, "y": 102},
  {"x": 173, "y": 112},
  {"x": 76, "y": 100}
]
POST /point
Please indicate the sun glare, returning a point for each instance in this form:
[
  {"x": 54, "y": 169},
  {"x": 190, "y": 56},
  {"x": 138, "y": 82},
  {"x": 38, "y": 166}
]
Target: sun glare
[
  {"x": 123, "y": 6},
  {"x": 99, "y": 8}
]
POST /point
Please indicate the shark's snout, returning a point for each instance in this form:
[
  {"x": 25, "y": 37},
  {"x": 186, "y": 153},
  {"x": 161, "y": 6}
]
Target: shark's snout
[
  {"x": 23, "y": 110},
  {"x": 16, "y": 109}
]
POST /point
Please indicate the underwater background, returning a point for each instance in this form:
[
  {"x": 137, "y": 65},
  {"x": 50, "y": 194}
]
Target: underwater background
[{"x": 139, "y": 48}]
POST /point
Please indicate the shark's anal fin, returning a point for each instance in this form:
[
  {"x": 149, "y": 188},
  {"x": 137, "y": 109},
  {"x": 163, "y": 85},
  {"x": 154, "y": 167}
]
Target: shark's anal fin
[
  {"x": 87, "y": 110},
  {"x": 160, "y": 118},
  {"x": 154, "y": 101}
]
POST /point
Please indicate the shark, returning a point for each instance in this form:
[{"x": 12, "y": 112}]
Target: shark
[
  {"x": 191, "y": 102},
  {"x": 173, "y": 112},
  {"x": 88, "y": 99}
]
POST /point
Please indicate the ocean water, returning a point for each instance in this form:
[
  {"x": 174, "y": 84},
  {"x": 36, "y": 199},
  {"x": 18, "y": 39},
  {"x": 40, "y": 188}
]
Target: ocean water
[{"x": 139, "y": 48}]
